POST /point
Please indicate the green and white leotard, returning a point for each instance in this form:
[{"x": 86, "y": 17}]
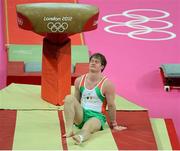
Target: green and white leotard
[{"x": 93, "y": 99}]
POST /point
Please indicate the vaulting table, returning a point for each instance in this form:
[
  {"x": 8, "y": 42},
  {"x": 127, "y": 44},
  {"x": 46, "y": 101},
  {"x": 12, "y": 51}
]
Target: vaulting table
[{"x": 56, "y": 22}]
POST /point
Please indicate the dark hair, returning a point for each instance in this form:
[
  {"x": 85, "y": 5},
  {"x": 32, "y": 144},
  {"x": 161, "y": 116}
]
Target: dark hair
[{"x": 101, "y": 58}]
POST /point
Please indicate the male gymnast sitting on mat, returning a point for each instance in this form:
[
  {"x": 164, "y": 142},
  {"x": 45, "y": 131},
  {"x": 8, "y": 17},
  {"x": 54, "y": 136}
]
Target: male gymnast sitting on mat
[{"x": 86, "y": 108}]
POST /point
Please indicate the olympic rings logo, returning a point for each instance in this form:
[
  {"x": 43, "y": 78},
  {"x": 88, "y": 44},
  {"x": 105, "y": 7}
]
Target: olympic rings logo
[
  {"x": 141, "y": 29},
  {"x": 57, "y": 26}
]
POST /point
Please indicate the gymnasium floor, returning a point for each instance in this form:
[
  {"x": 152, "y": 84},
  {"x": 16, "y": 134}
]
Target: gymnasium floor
[{"x": 28, "y": 122}]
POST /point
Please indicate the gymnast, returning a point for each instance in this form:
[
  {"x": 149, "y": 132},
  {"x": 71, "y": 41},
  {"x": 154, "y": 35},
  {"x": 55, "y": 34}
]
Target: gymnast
[{"x": 86, "y": 108}]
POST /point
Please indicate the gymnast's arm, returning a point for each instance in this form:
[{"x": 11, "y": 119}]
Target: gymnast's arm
[
  {"x": 77, "y": 91},
  {"x": 109, "y": 92}
]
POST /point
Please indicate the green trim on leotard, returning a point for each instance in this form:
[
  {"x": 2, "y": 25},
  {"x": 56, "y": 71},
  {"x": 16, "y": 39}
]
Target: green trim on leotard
[{"x": 98, "y": 92}]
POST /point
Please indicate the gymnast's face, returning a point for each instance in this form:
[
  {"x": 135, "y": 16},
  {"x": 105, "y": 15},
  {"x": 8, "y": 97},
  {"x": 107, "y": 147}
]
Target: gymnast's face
[{"x": 95, "y": 65}]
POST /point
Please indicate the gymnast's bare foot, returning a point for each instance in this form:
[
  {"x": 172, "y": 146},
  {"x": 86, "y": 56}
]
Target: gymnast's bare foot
[{"x": 78, "y": 139}]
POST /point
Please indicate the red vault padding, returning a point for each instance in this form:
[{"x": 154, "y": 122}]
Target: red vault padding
[{"x": 56, "y": 71}]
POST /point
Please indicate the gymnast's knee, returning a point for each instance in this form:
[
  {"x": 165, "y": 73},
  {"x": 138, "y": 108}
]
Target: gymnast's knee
[{"x": 69, "y": 99}]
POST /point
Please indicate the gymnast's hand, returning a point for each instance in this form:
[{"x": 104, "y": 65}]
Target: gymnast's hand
[{"x": 119, "y": 128}]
